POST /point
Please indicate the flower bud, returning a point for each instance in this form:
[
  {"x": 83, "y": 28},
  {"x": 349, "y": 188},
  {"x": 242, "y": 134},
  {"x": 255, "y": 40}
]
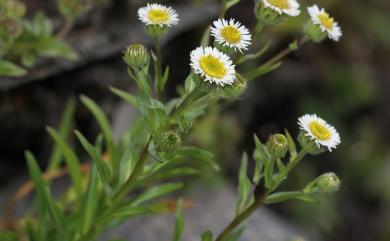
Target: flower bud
[
  {"x": 309, "y": 145},
  {"x": 277, "y": 145},
  {"x": 314, "y": 32},
  {"x": 237, "y": 88},
  {"x": 136, "y": 56},
  {"x": 265, "y": 15},
  {"x": 156, "y": 30},
  {"x": 326, "y": 183},
  {"x": 168, "y": 141}
]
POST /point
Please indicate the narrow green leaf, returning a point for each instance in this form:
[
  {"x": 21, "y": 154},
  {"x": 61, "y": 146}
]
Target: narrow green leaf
[
  {"x": 244, "y": 185},
  {"x": 64, "y": 130},
  {"x": 155, "y": 192},
  {"x": 103, "y": 169},
  {"x": 71, "y": 159},
  {"x": 90, "y": 202},
  {"x": 284, "y": 196},
  {"x": 234, "y": 236},
  {"x": 256, "y": 55},
  {"x": 231, "y": 3},
  {"x": 104, "y": 126},
  {"x": 291, "y": 146},
  {"x": 45, "y": 200},
  {"x": 124, "y": 213},
  {"x": 179, "y": 221},
  {"x": 205, "y": 41},
  {"x": 10, "y": 69},
  {"x": 129, "y": 98},
  {"x": 261, "y": 70}
]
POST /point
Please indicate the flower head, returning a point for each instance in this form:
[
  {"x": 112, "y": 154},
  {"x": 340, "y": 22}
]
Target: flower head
[
  {"x": 319, "y": 131},
  {"x": 289, "y": 7},
  {"x": 231, "y": 34},
  {"x": 157, "y": 14},
  {"x": 213, "y": 65},
  {"x": 325, "y": 22}
]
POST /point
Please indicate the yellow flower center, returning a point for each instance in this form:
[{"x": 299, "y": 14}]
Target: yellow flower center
[
  {"x": 231, "y": 34},
  {"x": 326, "y": 20},
  {"x": 320, "y": 131},
  {"x": 282, "y": 4},
  {"x": 158, "y": 16},
  {"x": 212, "y": 66}
]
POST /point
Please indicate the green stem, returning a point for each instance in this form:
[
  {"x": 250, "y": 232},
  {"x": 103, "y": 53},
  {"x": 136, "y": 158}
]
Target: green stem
[
  {"x": 243, "y": 216},
  {"x": 222, "y": 12},
  {"x": 257, "y": 30},
  {"x": 253, "y": 73},
  {"x": 291, "y": 165},
  {"x": 159, "y": 87}
]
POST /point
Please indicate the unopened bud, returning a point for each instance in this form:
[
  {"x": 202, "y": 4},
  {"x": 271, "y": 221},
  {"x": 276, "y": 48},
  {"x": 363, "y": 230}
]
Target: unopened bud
[
  {"x": 237, "y": 88},
  {"x": 309, "y": 145},
  {"x": 156, "y": 30},
  {"x": 136, "y": 56},
  {"x": 277, "y": 145},
  {"x": 168, "y": 141},
  {"x": 326, "y": 183},
  {"x": 313, "y": 32},
  {"x": 265, "y": 15}
]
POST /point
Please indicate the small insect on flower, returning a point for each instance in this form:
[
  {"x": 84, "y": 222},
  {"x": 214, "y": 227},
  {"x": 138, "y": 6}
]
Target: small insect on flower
[
  {"x": 231, "y": 34},
  {"x": 289, "y": 7},
  {"x": 319, "y": 131},
  {"x": 213, "y": 65},
  {"x": 157, "y": 14},
  {"x": 325, "y": 22}
]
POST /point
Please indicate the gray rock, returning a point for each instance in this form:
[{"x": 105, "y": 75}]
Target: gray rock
[{"x": 212, "y": 210}]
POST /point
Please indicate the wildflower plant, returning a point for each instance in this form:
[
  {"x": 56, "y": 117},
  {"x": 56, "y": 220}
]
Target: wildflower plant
[{"x": 124, "y": 178}]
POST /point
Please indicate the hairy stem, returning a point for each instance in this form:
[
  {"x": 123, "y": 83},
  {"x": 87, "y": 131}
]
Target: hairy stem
[
  {"x": 243, "y": 216},
  {"x": 159, "y": 87},
  {"x": 254, "y": 73}
]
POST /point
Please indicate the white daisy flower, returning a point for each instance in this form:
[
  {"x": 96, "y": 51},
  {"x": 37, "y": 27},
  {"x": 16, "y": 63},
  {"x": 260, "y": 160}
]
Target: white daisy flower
[
  {"x": 157, "y": 14},
  {"x": 231, "y": 34},
  {"x": 289, "y": 7},
  {"x": 325, "y": 22},
  {"x": 322, "y": 133},
  {"x": 215, "y": 66}
]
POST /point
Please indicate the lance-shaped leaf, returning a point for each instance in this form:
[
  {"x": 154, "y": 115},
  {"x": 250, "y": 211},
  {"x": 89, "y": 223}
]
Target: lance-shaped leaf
[
  {"x": 155, "y": 192},
  {"x": 45, "y": 200},
  {"x": 64, "y": 130},
  {"x": 244, "y": 185},
  {"x": 179, "y": 221},
  {"x": 71, "y": 159},
  {"x": 104, "y": 126},
  {"x": 284, "y": 196}
]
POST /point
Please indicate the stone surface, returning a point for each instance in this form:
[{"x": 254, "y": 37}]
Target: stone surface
[{"x": 212, "y": 210}]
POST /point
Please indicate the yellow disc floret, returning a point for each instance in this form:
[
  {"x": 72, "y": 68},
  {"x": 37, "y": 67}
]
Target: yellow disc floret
[
  {"x": 282, "y": 4},
  {"x": 212, "y": 66},
  {"x": 231, "y": 34},
  {"x": 158, "y": 16},
  {"x": 326, "y": 20},
  {"x": 320, "y": 131}
]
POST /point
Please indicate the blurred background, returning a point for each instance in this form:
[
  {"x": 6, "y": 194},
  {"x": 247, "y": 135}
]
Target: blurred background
[{"x": 346, "y": 83}]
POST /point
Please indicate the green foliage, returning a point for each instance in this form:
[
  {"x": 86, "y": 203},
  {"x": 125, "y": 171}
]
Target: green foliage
[{"x": 23, "y": 41}]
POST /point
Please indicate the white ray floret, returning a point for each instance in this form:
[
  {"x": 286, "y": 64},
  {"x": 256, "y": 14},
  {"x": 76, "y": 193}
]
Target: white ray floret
[
  {"x": 289, "y": 7},
  {"x": 231, "y": 34},
  {"x": 325, "y": 22},
  {"x": 213, "y": 65},
  {"x": 322, "y": 133},
  {"x": 157, "y": 14}
]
